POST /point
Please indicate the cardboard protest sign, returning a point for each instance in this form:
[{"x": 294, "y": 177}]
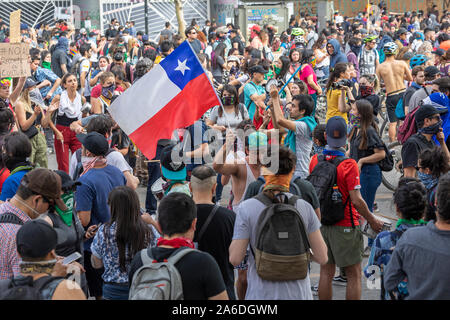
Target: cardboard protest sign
[
  {"x": 14, "y": 26},
  {"x": 14, "y": 60}
]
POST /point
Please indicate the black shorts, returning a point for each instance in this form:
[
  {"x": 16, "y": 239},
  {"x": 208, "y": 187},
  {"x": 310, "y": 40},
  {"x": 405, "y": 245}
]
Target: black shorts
[{"x": 391, "y": 104}]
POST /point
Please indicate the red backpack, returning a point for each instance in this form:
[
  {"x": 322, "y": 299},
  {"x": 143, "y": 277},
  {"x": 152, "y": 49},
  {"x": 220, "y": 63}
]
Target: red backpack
[{"x": 408, "y": 127}]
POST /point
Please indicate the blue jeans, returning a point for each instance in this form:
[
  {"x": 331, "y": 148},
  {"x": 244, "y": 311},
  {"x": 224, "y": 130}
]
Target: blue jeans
[
  {"x": 115, "y": 291},
  {"x": 370, "y": 178}
]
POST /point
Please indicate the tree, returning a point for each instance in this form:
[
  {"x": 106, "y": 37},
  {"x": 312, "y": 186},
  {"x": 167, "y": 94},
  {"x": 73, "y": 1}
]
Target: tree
[{"x": 180, "y": 17}]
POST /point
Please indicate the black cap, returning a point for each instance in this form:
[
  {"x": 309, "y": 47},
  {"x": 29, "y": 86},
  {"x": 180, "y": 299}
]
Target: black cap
[
  {"x": 29, "y": 83},
  {"x": 66, "y": 180},
  {"x": 440, "y": 52},
  {"x": 35, "y": 239},
  {"x": 172, "y": 169},
  {"x": 425, "y": 111},
  {"x": 431, "y": 71},
  {"x": 336, "y": 130},
  {"x": 258, "y": 69},
  {"x": 94, "y": 142},
  {"x": 402, "y": 31}
]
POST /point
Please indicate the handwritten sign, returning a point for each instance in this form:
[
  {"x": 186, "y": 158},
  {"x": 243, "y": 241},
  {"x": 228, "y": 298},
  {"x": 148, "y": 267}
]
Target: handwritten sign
[
  {"x": 14, "y": 26},
  {"x": 14, "y": 60}
]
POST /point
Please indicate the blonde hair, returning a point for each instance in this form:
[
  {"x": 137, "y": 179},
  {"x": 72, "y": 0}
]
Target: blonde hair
[{"x": 25, "y": 100}]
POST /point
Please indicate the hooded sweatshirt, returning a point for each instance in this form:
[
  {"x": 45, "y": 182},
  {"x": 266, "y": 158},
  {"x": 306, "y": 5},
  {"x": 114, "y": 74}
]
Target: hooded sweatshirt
[{"x": 337, "y": 55}]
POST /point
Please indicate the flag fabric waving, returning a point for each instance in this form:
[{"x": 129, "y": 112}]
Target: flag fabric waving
[{"x": 173, "y": 94}]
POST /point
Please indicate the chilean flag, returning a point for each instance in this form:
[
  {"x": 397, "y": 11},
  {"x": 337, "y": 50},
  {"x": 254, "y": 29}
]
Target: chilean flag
[{"x": 172, "y": 95}]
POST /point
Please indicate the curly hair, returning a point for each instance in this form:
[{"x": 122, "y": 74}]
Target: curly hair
[
  {"x": 410, "y": 198},
  {"x": 435, "y": 160}
]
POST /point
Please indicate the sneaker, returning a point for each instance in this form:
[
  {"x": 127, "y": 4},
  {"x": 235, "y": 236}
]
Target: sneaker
[
  {"x": 340, "y": 280},
  {"x": 315, "y": 290},
  {"x": 375, "y": 207},
  {"x": 50, "y": 150}
]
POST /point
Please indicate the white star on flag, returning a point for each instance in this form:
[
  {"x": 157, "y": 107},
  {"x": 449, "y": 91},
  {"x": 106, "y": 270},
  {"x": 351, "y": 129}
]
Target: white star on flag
[{"x": 182, "y": 67}]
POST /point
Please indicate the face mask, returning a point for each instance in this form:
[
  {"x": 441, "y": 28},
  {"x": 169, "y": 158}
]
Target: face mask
[
  {"x": 277, "y": 70},
  {"x": 365, "y": 90},
  {"x": 318, "y": 149},
  {"x": 355, "y": 121},
  {"x": 66, "y": 215},
  {"x": 434, "y": 129},
  {"x": 427, "y": 179},
  {"x": 46, "y": 65},
  {"x": 228, "y": 101},
  {"x": 108, "y": 92},
  {"x": 104, "y": 68}
]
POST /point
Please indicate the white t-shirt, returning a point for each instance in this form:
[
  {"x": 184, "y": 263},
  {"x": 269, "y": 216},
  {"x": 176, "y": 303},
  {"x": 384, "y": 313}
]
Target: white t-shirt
[
  {"x": 247, "y": 215},
  {"x": 115, "y": 159}
]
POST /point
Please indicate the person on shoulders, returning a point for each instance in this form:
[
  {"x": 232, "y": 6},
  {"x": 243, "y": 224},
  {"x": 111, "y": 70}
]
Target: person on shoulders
[
  {"x": 200, "y": 274},
  {"x": 245, "y": 230}
]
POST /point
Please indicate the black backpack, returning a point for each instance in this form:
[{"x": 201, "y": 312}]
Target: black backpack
[
  {"x": 282, "y": 249},
  {"x": 9, "y": 217},
  {"x": 324, "y": 180},
  {"x": 27, "y": 289}
]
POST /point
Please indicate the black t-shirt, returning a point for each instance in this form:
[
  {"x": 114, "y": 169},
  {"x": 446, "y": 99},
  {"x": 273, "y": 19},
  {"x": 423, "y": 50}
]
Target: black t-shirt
[
  {"x": 120, "y": 140},
  {"x": 412, "y": 148},
  {"x": 59, "y": 57},
  {"x": 217, "y": 238},
  {"x": 374, "y": 101},
  {"x": 238, "y": 40},
  {"x": 199, "y": 273},
  {"x": 373, "y": 142},
  {"x": 306, "y": 188}
]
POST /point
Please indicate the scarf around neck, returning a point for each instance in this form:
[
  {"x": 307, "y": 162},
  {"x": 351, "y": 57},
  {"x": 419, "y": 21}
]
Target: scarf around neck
[
  {"x": 290, "y": 138},
  {"x": 176, "y": 242},
  {"x": 278, "y": 182}
]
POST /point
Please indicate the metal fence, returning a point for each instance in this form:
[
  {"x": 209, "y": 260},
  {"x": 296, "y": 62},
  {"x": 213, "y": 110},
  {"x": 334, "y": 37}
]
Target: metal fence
[
  {"x": 159, "y": 11},
  {"x": 36, "y": 11}
]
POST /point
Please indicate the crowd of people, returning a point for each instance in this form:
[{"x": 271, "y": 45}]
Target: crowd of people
[{"x": 330, "y": 163}]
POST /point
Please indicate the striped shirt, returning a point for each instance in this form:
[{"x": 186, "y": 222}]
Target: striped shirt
[{"x": 9, "y": 258}]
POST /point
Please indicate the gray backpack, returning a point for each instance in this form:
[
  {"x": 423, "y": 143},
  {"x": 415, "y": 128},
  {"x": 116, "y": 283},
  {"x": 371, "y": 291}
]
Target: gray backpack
[
  {"x": 282, "y": 249},
  {"x": 158, "y": 280}
]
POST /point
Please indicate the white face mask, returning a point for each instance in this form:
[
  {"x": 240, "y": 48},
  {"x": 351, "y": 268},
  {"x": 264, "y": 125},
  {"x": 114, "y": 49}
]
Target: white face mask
[{"x": 104, "y": 68}]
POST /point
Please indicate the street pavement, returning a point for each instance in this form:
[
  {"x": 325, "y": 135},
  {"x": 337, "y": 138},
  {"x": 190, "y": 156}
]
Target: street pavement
[{"x": 386, "y": 210}]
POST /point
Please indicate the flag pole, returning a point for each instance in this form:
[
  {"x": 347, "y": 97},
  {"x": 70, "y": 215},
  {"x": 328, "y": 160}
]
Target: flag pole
[{"x": 292, "y": 76}]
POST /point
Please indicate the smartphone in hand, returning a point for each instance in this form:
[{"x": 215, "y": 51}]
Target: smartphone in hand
[{"x": 73, "y": 257}]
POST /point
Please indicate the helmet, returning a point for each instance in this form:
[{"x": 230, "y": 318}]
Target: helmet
[
  {"x": 418, "y": 60},
  {"x": 299, "y": 39},
  {"x": 370, "y": 38},
  {"x": 390, "y": 48},
  {"x": 297, "y": 32}
]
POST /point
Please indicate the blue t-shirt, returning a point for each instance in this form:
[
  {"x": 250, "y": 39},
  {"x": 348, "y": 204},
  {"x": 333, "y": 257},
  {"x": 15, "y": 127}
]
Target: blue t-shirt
[
  {"x": 250, "y": 89},
  {"x": 11, "y": 185},
  {"x": 92, "y": 194}
]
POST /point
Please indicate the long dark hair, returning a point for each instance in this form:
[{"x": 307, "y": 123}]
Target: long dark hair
[
  {"x": 219, "y": 51},
  {"x": 132, "y": 234},
  {"x": 306, "y": 56},
  {"x": 318, "y": 44},
  {"x": 232, "y": 90},
  {"x": 285, "y": 68},
  {"x": 339, "y": 69},
  {"x": 295, "y": 50},
  {"x": 365, "y": 111}
]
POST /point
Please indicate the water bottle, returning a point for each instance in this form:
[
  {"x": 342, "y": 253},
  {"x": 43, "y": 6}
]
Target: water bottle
[{"x": 336, "y": 196}]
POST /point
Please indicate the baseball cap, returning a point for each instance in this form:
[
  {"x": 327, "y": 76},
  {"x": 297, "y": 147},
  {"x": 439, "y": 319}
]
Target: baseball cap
[
  {"x": 425, "y": 111},
  {"x": 408, "y": 55},
  {"x": 83, "y": 31},
  {"x": 258, "y": 69},
  {"x": 66, "y": 180},
  {"x": 431, "y": 71},
  {"x": 440, "y": 52},
  {"x": 29, "y": 83},
  {"x": 402, "y": 31},
  {"x": 336, "y": 130},
  {"x": 222, "y": 30},
  {"x": 35, "y": 239},
  {"x": 145, "y": 37},
  {"x": 46, "y": 183},
  {"x": 94, "y": 142},
  {"x": 172, "y": 169}
]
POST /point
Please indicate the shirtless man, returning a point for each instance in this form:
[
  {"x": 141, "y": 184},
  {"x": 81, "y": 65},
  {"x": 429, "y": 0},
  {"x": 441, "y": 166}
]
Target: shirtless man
[
  {"x": 393, "y": 72},
  {"x": 243, "y": 167}
]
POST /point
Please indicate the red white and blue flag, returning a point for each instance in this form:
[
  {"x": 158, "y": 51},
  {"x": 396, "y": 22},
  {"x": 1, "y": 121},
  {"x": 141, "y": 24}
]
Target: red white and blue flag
[{"x": 172, "y": 95}]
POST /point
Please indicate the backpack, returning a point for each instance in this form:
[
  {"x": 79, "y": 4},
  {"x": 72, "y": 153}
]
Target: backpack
[
  {"x": 79, "y": 168},
  {"x": 324, "y": 180},
  {"x": 76, "y": 70},
  {"x": 387, "y": 164},
  {"x": 282, "y": 249},
  {"x": 9, "y": 217},
  {"x": 157, "y": 280},
  {"x": 408, "y": 127},
  {"x": 293, "y": 187},
  {"x": 27, "y": 289}
]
